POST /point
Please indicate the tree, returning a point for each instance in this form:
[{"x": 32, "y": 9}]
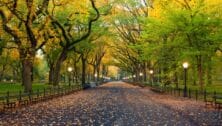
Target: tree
[
  {"x": 84, "y": 49},
  {"x": 192, "y": 30},
  {"x": 25, "y": 23},
  {"x": 200, "y": 30},
  {"x": 128, "y": 25},
  {"x": 69, "y": 38}
]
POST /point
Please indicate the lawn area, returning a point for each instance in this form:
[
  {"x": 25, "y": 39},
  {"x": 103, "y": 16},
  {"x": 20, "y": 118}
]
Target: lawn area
[
  {"x": 16, "y": 87},
  {"x": 210, "y": 88}
]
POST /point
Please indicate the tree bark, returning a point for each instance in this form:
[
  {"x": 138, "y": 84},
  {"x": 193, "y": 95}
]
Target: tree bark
[
  {"x": 144, "y": 72},
  {"x": 209, "y": 71},
  {"x": 51, "y": 71},
  {"x": 176, "y": 80},
  {"x": 27, "y": 65},
  {"x": 27, "y": 60},
  {"x": 194, "y": 75},
  {"x": 83, "y": 70},
  {"x": 2, "y": 72},
  {"x": 98, "y": 73},
  {"x": 32, "y": 73},
  {"x": 200, "y": 72},
  {"x": 137, "y": 74},
  {"x": 56, "y": 71},
  {"x": 76, "y": 75}
]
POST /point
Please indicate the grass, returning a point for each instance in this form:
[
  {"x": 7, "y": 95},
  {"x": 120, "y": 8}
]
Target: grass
[
  {"x": 209, "y": 88},
  {"x": 16, "y": 87}
]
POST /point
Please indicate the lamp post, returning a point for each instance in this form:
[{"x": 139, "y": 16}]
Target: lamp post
[
  {"x": 95, "y": 76},
  {"x": 69, "y": 70},
  {"x": 141, "y": 74},
  {"x": 185, "y": 66},
  {"x": 134, "y": 78},
  {"x": 151, "y": 76}
]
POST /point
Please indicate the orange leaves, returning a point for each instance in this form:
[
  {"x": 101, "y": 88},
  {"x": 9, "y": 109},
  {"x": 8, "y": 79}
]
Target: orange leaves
[{"x": 14, "y": 54}]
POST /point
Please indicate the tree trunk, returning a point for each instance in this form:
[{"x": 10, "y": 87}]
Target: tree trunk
[
  {"x": 2, "y": 71},
  {"x": 209, "y": 71},
  {"x": 137, "y": 75},
  {"x": 88, "y": 77},
  {"x": 27, "y": 60},
  {"x": 51, "y": 71},
  {"x": 176, "y": 80},
  {"x": 159, "y": 75},
  {"x": 26, "y": 74},
  {"x": 194, "y": 75},
  {"x": 83, "y": 70},
  {"x": 144, "y": 72},
  {"x": 56, "y": 72},
  {"x": 98, "y": 73},
  {"x": 94, "y": 73},
  {"x": 200, "y": 72},
  {"x": 75, "y": 72},
  {"x": 1, "y": 76},
  {"x": 32, "y": 73},
  {"x": 103, "y": 72}
]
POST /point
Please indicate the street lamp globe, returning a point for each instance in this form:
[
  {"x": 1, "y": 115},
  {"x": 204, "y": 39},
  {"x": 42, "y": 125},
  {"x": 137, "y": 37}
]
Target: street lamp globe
[
  {"x": 95, "y": 75},
  {"x": 151, "y": 71},
  {"x": 185, "y": 65},
  {"x": 70, "y": 69}
]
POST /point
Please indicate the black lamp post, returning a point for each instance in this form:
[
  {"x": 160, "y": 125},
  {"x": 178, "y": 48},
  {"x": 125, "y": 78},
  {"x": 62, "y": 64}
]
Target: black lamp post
[
  {"x": 185, "y": 66},
  {"x": 134, "y": 78},
  {"x": 151, "y": 77},
  {"x": 96, "y": 78},
  {"x": 69, "y": 70},
  {"x": 141, "y": 76}
]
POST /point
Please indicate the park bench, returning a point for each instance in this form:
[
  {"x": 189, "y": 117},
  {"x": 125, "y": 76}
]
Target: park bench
[
  {"x": 209, "y": 101},
  {"x": 218, "y": 101},
  {"x": 9, "y": 105},
  {"x": 9, "y": 102}
]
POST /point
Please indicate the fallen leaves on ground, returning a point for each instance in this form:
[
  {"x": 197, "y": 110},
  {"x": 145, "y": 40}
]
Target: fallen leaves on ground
[{"x": 115, "y": 103}]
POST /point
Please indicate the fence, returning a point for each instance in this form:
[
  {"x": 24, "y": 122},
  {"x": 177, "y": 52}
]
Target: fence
[
  {"x": 191, "y": 93},
  {"x": 16, "y": 99}
]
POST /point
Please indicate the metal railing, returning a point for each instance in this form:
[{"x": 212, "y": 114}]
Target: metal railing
[{"x": 16, "y": 99}]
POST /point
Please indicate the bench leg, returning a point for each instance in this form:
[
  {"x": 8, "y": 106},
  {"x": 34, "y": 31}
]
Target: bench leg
[
  {"x": 219, "y": 106},
  {"x": 9, "y": 106}
]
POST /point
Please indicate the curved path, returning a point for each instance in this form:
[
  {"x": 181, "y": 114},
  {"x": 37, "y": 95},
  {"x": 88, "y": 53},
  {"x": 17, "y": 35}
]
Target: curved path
[{"x": 118, "y": 104}]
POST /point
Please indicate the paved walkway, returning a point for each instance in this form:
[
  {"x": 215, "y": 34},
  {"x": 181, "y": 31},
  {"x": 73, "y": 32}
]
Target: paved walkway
[{"x": 118, "y": 104}]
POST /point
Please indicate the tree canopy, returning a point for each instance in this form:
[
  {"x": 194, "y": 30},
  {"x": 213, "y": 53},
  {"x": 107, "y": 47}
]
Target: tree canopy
[{"x": 40, "y": 39}]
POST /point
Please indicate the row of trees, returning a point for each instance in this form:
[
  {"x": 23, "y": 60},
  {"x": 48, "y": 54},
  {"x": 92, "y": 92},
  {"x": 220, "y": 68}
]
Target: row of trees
[
  {"x": 143, "y": 34},
  {"x": 160, "y": 35},
  {"x": 62, "y": 30}
]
